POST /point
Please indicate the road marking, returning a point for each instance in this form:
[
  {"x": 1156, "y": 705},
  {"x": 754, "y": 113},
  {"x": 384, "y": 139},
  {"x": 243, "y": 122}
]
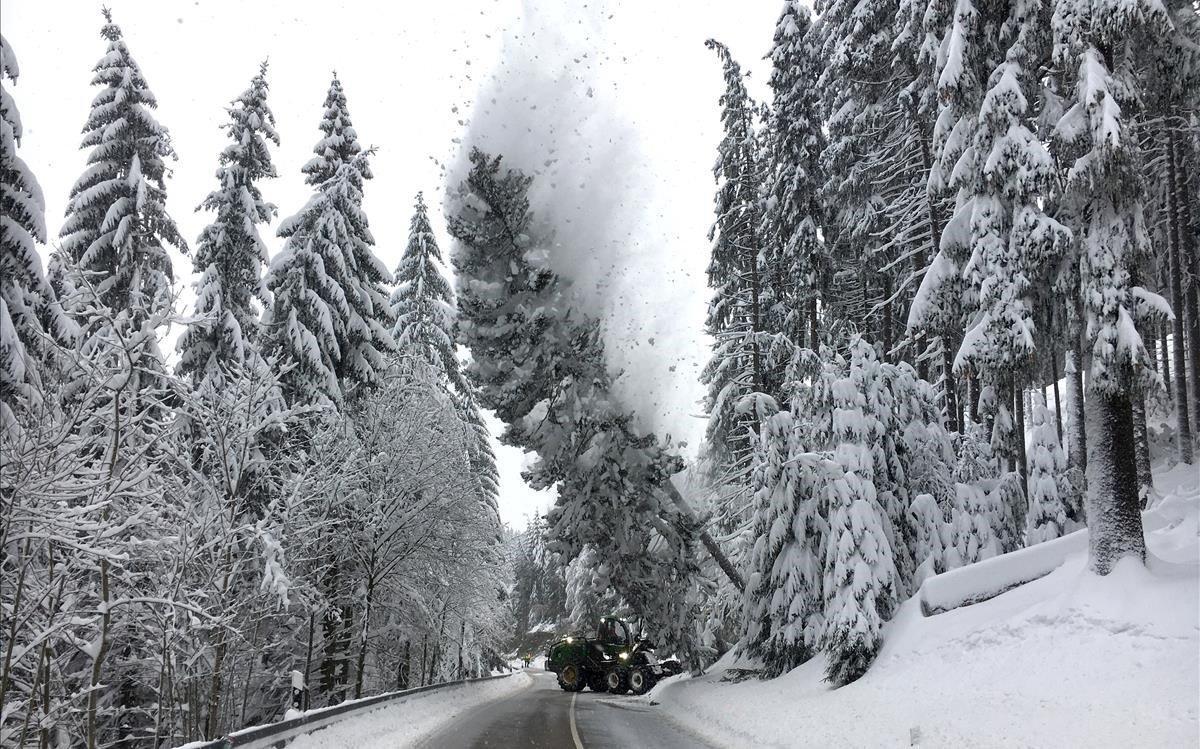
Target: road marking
[{"x": 574, "y": 728}]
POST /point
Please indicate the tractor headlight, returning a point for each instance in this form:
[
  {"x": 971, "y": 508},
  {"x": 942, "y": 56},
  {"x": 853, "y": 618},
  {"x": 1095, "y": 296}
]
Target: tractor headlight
[{"x": 624, "y": 656}]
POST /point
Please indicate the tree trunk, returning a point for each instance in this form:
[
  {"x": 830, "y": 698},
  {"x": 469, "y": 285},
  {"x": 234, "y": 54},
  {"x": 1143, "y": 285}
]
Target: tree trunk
[
  {"x": 424, "y": 655},
  {"x": 362, "y": 646},
  {"x": 1189, "y": 253},
  {"x": 814, "y": 333},
  {"x": 1175, "y": 251},
  {"x": 953, "y": 413},
  {"x": 462, "y": 639},
  {"x": 1165, "y": 359},
  {"x": 1193, "y": 319},
  {"x": 1113, "y": 509},
  {"x": 1078, "y": 455},
  {"x": 1057, "y": 397},
  {"x": 1019, "y": 443},
  {"x": 719, "y": 556},
  {"x": 1144, "y": 474},
  {"x": 402, "y": 672}
]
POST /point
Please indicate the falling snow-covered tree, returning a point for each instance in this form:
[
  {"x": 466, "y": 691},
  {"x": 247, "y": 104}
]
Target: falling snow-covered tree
[
  {"x": 540, "y": 366},
  {"x": 230, "y": 254},
  {"x": 117, "y": 228}
]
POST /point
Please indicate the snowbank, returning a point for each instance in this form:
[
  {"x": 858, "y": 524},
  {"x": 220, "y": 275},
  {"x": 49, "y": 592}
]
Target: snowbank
[
  {"x": 1070, "y": 659},
  {"x": 406, "y": 722}
]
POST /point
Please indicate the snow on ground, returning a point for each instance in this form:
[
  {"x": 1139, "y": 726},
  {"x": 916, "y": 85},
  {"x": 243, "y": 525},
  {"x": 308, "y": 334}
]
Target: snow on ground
[
  {"x": 407, "y": 721},
  {"x": 1068, "y": 660}
]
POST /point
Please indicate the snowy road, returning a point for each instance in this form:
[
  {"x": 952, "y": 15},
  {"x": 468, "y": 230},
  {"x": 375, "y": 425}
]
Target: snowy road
[{"x": 545, "y": 716}]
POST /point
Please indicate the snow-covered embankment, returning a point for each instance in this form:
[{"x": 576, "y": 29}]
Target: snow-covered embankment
[{"x": 1070, "y": 659}]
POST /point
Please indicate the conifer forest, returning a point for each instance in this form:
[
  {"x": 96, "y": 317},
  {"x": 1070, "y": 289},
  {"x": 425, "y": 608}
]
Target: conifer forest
[{"x": 949, "y": 259}]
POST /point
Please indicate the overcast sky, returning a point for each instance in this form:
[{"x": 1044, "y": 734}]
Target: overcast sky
[{"x": 613, "y": 105}]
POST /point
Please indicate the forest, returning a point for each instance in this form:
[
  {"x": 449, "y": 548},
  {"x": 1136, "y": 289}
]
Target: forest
[{"x": 955, "y": 312}]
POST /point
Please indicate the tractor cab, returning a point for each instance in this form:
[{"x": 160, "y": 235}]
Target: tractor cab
[{"x": 614, "y": 632}]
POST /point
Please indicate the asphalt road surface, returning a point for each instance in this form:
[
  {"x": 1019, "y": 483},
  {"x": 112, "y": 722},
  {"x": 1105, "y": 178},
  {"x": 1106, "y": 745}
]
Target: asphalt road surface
[{"x": 546, "y": 717}]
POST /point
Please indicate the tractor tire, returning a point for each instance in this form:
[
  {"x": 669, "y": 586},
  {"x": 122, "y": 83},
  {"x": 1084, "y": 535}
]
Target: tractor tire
[
  {"x": 617, "y": 679},
  {"x": 596, "y": 681},
  {"x": 641, "y": 680},
  {"x": 571, "y": 678}
]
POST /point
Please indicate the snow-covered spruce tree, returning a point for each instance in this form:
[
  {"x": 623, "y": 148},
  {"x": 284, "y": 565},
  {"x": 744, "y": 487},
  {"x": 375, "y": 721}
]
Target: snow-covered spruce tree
[
  {"x": 1102, "y": 204},
  {"x": 423, "y": 307},
  {"x": 932, "y": 539},
  {"x": 783, "y": 599},
  {"x": 117, "y": 226},
  {"x": 1048, "y": 503},
  {"x": 860, "y": 580},
  {"x": 423, "y": 303},
  {"x": 328, "y": 326},
  {"x": 1169, "y": 77},
  {"x": 30, "y": 317},
  {"x": 541, "y": 368},
  {"x": 738, "y": 365},
  {"x": 230, "y": 253},
  {"x": 978, "y": 524},
  {"x": 340, "y": 142},
  {"x": 883, "y": 221},
  {"x": 479, "y": 449},
  {"x": 1005, "y": 179},
  {"x": 795, "y": 262}
]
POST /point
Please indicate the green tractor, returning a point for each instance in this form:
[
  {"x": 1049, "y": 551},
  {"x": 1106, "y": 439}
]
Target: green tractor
[{"x": 611, "y": 661}]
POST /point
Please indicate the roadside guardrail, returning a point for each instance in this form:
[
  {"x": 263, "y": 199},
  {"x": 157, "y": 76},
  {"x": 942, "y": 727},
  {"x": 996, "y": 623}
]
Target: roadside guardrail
[{"x": 281, "y": 733}]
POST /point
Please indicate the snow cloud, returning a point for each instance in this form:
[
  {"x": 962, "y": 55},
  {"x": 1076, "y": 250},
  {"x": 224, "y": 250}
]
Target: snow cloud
[{"x": 612, "y": 109}]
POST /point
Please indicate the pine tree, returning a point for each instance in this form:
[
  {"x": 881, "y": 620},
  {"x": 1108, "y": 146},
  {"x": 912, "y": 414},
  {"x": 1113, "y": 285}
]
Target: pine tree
[
  {"x": 783, "y": 599},
  {"x": 423, "y": 303},
  {"x": 1169, "y": 77},
  {"x": 328, "y": 327},
  {"x": 738, "y": 364},
  {"x": 860, "y": 579},
  {"x": 1048, "y": 508},
  {"x": 541, "y": 369},
  {"x": 795, "y": 262},
  {"x": 340, "y": 142},
  {"x": 230, "y": 253},
  {"x": 30, "y": 317},
  {"x": 479, "y": 450},
  {"x": 1102, "y": 204},
  {"x": 117, "y": 226},
  {"x": 883, "y": 221}
]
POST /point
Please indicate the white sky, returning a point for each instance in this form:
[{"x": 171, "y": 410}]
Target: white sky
[{"x": 624, "y": 92}]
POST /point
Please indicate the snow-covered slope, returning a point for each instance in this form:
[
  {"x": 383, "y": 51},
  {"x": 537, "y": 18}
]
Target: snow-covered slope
[{"x": 1068, "y": 660}]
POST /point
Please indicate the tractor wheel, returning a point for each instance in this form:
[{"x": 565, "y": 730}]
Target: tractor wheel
[
  {"x": 571, "y": 678},
  {"x": 640, "y": 681},
  {"x": 617, "y": 679},
  {"x": 596, "y": 681}
]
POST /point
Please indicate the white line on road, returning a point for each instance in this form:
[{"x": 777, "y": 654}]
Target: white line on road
[{"x": 574, "y": 729}]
